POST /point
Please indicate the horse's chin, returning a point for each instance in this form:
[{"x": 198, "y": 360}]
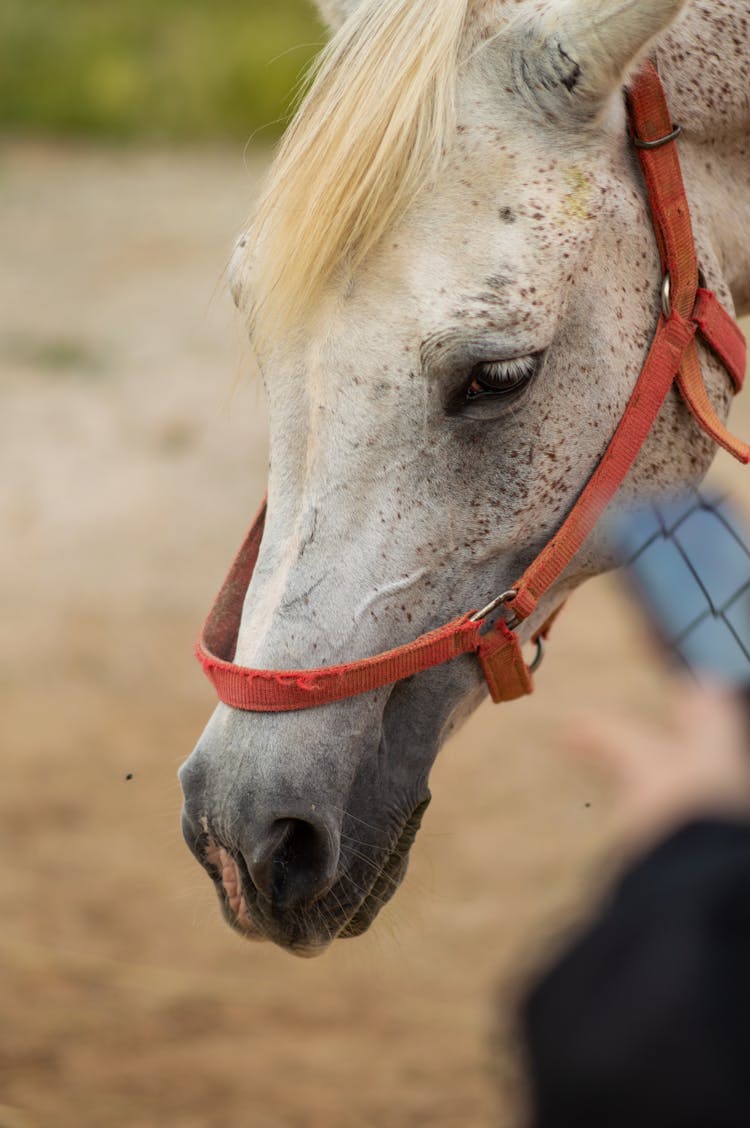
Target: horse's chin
[{"x": 310, "y": 931}]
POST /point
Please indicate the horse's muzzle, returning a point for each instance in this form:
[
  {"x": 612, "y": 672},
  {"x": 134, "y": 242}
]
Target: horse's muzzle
[{"x": 292, "y": 887}]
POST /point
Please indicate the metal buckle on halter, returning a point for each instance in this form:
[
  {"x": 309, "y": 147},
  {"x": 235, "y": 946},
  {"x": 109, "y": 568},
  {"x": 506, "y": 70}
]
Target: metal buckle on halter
[
  {"x": 501, "y": 601},
  {"x": 506, "y": 597},
  {"x": 666, "y": 292},
  {"x": 648, "y": 145}
]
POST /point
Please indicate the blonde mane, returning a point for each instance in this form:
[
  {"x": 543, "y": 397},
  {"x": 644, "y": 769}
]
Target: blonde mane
[{"x": 370, "y": 133}]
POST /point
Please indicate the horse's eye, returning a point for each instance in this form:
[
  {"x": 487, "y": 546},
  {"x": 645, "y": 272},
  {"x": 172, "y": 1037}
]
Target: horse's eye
[{"x": 501, "y": 377}]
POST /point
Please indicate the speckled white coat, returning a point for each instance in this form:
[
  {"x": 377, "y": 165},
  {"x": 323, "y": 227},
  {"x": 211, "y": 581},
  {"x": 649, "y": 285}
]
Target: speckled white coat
[{"x": 395, "y": 506}]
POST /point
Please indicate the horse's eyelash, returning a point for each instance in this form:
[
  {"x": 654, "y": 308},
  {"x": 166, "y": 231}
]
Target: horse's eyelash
[{"x": 508, "y": 370}]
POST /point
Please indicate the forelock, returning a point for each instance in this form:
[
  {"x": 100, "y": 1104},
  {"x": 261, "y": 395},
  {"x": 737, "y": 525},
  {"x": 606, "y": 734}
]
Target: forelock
[{"x": 372, "y": 131}]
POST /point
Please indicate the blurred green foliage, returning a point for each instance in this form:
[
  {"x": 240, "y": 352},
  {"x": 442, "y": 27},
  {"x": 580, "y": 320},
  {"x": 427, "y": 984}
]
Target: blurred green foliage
[{"x": 154, "y": 69}]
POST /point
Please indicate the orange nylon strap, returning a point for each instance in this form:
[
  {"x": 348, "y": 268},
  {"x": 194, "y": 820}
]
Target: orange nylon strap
[
  {"x": 725, "y": 338},
  {"x": 640, "y": 415},
  {"x": 693, "y": 390},
  {"x": 673, "y": 354},
  {"x": 722, "y": 333},
  {"x": 672, "y": 358},
  {"x": 279, "y": 691}
]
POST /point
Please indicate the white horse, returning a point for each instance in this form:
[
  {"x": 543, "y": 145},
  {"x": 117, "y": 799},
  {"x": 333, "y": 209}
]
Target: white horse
[{"x": 451, "y": 284}]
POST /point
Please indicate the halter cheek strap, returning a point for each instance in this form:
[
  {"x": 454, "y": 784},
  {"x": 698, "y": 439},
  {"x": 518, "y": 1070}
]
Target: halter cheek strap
[{"x": 689, "y": 311}]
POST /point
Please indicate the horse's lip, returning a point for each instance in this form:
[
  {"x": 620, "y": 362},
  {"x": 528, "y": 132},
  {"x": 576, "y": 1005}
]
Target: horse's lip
[
  {"x": 385, "y": 880},
  {"x": 239, "y": 897}
]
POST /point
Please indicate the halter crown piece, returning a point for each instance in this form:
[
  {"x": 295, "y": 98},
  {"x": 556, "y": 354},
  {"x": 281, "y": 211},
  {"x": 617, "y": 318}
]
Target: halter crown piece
[{"x": 688, "y": 311}]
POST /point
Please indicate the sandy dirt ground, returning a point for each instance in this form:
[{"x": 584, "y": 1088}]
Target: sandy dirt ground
[{"x": 133, "y": 456}]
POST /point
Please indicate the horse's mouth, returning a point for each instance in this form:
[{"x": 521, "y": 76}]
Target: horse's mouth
[
  {"x": 347, "y": 910},
  {"x": 388, "y": 879}
]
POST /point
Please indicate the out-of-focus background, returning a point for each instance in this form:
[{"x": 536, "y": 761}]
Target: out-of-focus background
[{"x": 133, "y": 454}]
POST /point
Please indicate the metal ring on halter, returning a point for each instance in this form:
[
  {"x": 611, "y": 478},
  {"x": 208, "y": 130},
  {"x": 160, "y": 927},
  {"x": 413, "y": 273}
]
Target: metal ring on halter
[
  {"x": 506, "y": 597},
  {"x": 666, "y": 292},
  {"x": 538, "y": 657}
]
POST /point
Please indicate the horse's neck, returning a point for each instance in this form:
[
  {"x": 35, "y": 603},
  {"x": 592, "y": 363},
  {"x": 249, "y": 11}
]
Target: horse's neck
[{"x": 705, "y": 63}]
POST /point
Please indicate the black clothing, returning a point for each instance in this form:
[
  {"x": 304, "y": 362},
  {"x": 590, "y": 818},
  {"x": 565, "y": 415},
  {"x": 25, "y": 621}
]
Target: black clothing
[{"x": 645, "y": 1022}]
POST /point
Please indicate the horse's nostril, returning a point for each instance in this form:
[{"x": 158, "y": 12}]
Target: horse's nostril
[{"x": 294, "y": 862}]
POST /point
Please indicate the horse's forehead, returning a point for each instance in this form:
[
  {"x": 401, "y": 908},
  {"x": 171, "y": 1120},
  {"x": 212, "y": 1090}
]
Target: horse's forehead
[
  {"x": 495, "y": 255},
  {"x": 506, "y": 214},
  {"x": 496, "y": 216}
]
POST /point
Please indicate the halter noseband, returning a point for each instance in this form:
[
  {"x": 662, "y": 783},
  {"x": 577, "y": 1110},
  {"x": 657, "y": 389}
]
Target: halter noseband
[{"x": 688, "y": 310}]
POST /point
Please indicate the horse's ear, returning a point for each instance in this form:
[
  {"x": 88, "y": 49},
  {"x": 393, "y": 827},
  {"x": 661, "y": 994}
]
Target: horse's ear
[
  {"x": 572, "y": 56},
  {"x": 334, "y": 12}
]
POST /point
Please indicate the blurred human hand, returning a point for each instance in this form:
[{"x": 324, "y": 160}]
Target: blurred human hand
[{"x": 696, "y": 766}]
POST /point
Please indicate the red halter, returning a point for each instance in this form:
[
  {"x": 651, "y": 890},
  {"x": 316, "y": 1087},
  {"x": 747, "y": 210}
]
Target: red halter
[{"x": 688, "y": 310}]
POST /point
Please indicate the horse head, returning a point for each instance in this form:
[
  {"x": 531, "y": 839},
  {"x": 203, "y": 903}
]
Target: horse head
[{"x": 451, "y": 286}]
